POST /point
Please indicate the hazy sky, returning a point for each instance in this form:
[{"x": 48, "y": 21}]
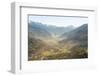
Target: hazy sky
[{"x": 59, "y": 21}]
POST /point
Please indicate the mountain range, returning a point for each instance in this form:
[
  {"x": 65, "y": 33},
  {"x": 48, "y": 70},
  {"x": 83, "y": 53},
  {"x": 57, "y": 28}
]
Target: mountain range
[
  {"x": 52, "y": 42},
  {"x": 78, "y": 34},
  {"x": 37, "y": 29}
]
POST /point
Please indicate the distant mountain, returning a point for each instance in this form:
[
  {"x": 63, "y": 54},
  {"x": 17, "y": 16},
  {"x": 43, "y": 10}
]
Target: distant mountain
[
  {"x": 37, "y": 31},
  {"x": 43, "y": 30},
  {"x": 57, "y": 31},
  {"x": 76, "y": 32},
  {"x": 79, "y": 35},
  {"x": 52, "y": 42}
]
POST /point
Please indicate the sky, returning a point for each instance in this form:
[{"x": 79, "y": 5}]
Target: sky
[{"x": 59, "y": 21}]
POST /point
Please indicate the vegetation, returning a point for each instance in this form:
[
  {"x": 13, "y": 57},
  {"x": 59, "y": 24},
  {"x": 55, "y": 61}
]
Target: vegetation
[{"x": 74, "y": 45}]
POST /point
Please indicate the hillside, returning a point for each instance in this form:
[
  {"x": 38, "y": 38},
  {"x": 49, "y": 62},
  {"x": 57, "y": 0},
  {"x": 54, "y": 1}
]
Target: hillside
[
  {"x": 35, "y": 30},
  {"x": 77, "y": 40},
  {"x": 52, "y": 42},
  {"x": 44, "y": 30}
]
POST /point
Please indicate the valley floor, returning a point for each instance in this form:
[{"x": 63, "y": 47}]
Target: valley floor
[{"x": 53, "y": 49}]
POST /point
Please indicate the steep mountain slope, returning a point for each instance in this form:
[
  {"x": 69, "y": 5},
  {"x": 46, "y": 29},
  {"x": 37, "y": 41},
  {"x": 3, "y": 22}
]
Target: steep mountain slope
[
  {"x": 35, "y": 30},
  {"x": 39, "y": 29},
  {"x": 79, "y": 33},
  {"x": 52, "y": 42},
  {"x": 57, "y": 31},
  {"x": 77, "y": 41}
]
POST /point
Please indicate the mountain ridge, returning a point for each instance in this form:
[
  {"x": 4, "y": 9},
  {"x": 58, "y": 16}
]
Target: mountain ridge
[{"x": 50, "y": 30}]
